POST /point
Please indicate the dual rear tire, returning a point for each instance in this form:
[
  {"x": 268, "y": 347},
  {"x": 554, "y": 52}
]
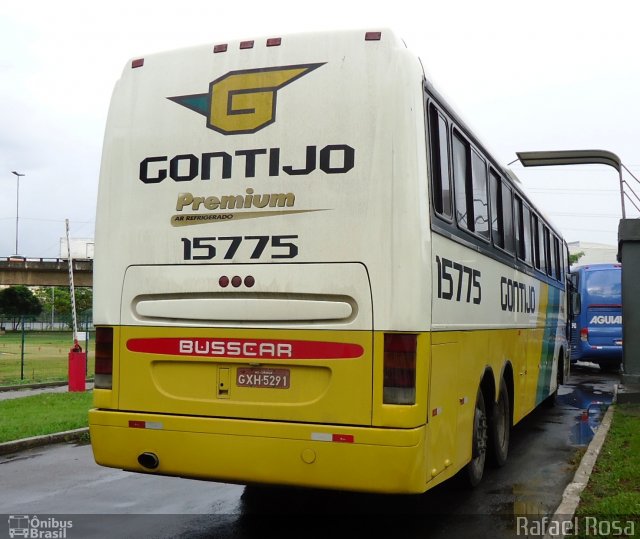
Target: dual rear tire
[{"x": 490, "y": 440}]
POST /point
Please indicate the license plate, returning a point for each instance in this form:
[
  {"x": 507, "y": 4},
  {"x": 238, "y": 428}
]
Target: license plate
[{"x": 268, "y": 378}]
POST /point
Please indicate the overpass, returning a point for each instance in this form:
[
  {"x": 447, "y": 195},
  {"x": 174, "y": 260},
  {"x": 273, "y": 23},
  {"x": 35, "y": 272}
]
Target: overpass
[{"x": 45, "y": 271}]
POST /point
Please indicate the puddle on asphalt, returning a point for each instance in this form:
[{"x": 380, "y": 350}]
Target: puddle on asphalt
[
  {"x": 591, "y": 404},
  {"x": 587, "y": 423}
]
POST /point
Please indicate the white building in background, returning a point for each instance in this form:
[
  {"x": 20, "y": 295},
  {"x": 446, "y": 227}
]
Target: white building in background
[
  {"x": 80, "y": 247},
  {"x": 594, "y": 253}
]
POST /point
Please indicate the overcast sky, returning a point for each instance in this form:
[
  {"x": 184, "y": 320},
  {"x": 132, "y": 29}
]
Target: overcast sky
[{"x": 524, "y": 74}]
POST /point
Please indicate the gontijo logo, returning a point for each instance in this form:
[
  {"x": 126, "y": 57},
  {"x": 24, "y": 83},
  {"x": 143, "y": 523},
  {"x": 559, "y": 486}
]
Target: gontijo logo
[{"x": 243, "y": 101}]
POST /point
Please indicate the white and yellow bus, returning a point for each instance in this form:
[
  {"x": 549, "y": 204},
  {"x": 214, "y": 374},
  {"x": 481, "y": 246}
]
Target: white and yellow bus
[{"x": 308, "y": 271}]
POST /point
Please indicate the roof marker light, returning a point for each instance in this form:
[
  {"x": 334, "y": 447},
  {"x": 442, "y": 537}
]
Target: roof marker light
[
  {"x": 373, "y": 36},
  {"x": 138, "y": 62},
  {"x": 246, "y": 44},
  {"x": 220, "y": 48},
  {"x": 274, "y": 41}
]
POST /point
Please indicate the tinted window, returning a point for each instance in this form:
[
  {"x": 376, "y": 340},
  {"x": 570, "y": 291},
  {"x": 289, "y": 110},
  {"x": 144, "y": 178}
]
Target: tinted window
[
  {"x": 459, "y": 148},
  {"x": 480, "y": 199},
  {"x": 496, "y": 209},
  {"x": 528, "y": 236},
  {"x": 507, "y": 217},
  {"x": 604, "y": 286},
  {"x": 538, "y": 244},
  {"x": 518, "y": 228},
  {"x": 523, "y": 231},
  {"x": 557, "y": 258},
  {"x": 547, "y": 251},
  {"x": 440, "y": 163}
]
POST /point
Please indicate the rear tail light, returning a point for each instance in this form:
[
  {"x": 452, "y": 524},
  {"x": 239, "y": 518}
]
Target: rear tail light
[
  {"x": 584, "y": 334},
  {"x": 399, "y": 368},
  {"x": 104, "y": 358}
]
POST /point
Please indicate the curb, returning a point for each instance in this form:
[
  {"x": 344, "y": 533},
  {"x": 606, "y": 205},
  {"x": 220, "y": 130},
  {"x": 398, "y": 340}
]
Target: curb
[
  {"x": 32, "y": 386},
  {"x": 37, "y": 441},
  {"x": 38, "y": 386},
  {"x": 571, "y": 495}
]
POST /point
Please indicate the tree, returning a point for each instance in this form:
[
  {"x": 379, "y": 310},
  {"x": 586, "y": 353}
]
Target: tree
[
  {"x": 573, "y": 258},
  {"x": 17, "y": 302},
  {"x": 57, "y": 301}
]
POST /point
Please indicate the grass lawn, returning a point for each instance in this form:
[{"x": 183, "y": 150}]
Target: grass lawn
[
  {"x": 43, "y": 414},
  {"x": 613, "y": 491},
  {"x": 46, "y": 356}
]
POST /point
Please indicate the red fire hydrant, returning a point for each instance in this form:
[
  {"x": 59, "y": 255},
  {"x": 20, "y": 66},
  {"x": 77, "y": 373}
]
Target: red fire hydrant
[{"x": 77, "y": 368}]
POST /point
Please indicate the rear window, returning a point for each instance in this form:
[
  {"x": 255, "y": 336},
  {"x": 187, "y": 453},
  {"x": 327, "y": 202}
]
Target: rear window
[{"x": 604, "y": 286}]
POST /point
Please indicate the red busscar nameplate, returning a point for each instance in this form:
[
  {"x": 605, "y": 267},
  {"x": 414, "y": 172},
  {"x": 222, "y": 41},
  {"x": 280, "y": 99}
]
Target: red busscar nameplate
[{"x": 245, "y": 348}]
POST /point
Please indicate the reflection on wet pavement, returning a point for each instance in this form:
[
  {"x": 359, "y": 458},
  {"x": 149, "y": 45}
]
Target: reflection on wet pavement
[{"x": 592, "y": 399}]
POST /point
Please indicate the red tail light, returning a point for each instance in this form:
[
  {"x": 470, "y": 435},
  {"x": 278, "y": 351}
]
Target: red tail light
[
  {"x": 584, "y": 334},
  {"x": 399, "y": 368},
  {"x": 104, "y": 358}
]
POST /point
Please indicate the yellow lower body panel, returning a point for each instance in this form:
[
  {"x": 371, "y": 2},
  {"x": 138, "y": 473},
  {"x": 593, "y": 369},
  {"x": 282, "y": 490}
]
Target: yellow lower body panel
[{"x": 239, "y": 451}]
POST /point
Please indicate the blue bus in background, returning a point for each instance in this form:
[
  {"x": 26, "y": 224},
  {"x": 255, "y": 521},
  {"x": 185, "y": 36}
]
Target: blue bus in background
[{"x": 596, "y": 321}]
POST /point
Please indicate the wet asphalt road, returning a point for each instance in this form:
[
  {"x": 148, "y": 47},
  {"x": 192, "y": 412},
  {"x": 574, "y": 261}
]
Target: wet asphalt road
[{"x": 101, "y": 502}]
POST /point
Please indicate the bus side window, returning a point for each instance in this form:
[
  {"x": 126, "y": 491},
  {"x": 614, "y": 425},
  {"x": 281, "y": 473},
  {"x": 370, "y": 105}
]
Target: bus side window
[
  {"x": 553, "y": 255},
  {"x": 470, "y": 185},
  {"x": 542, "y": 252},
  {"x": 439, "y": 146},
  {"x": 460, "y": 168},
  {"x": 523, "y": 226},
  {"x": 507, "y": 217},
  {"x": 557, "y": 260},
  {"x": 497, "y": 221},
  {"x": 547, "y": 251},
  {"x": 518, "y": 228},
  {"x": 538, "y": 250},
  {"x": 480, "y": 199}
]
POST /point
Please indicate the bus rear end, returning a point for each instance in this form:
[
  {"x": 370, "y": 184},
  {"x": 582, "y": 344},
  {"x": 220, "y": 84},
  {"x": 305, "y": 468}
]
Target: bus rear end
[
  {"x": 597, "y": 324},
  {"x": 246, "y": 330}
]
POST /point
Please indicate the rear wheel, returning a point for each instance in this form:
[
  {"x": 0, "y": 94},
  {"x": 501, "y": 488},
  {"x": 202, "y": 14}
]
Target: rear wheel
[
  {"x": 475, "y": 468},
  {"x": 500, "y": 428}
]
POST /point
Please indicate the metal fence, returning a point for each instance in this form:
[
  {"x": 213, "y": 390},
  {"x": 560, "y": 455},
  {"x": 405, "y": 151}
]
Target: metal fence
[{"x": 33, "y": 356}]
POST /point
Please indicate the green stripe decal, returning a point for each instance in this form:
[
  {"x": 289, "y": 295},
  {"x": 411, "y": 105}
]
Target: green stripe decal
[{"x": 548, "y": 343}]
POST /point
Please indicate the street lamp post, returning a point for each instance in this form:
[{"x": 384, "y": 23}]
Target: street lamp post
[{"x": 18, "y": 176}]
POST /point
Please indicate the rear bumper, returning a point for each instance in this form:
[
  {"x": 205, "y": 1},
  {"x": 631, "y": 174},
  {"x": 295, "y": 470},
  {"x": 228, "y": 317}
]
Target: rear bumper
[
  {"x": 589, "y": 352},
  {"x": 236, "y": 451}
]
